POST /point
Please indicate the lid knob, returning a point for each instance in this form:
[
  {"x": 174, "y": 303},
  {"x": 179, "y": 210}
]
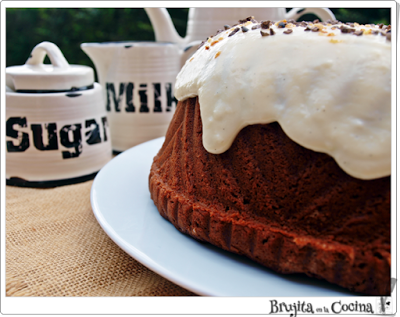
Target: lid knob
[
  {"x": 35, "y": 76},
  {"x": 40, "y": 51}
]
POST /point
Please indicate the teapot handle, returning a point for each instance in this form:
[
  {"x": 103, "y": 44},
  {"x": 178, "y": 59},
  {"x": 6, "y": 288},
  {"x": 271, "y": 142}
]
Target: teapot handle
[
  {"x": 40, "y": 51},
  {"x": 323, "y": 13}
]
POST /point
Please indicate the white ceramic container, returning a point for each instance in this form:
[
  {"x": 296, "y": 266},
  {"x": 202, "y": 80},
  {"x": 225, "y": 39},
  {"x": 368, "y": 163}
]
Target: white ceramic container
[
  {"x": 138, "y": 80},
  {"x": 56, "y": 126}
]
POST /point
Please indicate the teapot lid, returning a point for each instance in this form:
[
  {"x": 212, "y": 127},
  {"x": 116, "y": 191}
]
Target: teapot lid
[{"x": 57, "y": 76}]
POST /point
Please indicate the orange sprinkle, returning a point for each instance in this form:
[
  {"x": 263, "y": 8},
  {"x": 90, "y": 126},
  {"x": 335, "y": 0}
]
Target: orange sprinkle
[
  {"x": 334, "y": 41},
  {"x": 213, "y": 43},
  {"x": 218, "y": 53},
  {"x": 331, "y": 34},
  {"x": 191, "y": 59},
  {"x": 207, "y": 47}
]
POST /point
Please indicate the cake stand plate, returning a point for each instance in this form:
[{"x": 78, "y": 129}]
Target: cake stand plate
[{"x": 121, "y": 203}]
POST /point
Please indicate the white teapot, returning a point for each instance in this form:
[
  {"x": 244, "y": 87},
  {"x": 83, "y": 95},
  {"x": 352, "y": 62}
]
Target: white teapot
[{"x": 204, "y": 22}]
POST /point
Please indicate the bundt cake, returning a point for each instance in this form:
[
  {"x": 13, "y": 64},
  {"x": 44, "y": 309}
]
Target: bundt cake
[{"x": 280, "y": 148}]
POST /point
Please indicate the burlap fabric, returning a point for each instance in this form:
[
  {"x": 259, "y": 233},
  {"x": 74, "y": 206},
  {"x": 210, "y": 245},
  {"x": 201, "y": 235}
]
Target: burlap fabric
[{"x": 55, "y": 247}]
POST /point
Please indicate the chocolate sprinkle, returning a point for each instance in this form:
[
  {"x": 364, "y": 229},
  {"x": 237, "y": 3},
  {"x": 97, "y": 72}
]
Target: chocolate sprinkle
[
  {"x": 315, "y": 21},
  {"x": 257, "y": 26},
  {"x": 247, "y": 19},
  {"x": 264, "y": 33},
  {"x": 265, "y": 24},
  {"x": 389, "y": 36},
  {"x": 358, "y": 33},
  {"x": 288, "y": 31},
  {"x": 347, "y": 30},
  {"x": 307, "y": 28},
  {"x": 315, "y": 29},
  {"x": 227, "y": 27},
  {"x": 272, "y": 32},
  {"x": 244, "y": 29},
  {"x": 234, "y": 32}
]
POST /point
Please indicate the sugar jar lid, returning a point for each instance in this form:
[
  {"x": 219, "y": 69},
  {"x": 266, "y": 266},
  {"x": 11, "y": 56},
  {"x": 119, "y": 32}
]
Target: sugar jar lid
[{"x": 58, "y": 76}]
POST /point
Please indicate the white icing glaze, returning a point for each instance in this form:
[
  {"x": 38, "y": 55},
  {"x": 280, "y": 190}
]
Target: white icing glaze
[{"x": 330, "y": 91}]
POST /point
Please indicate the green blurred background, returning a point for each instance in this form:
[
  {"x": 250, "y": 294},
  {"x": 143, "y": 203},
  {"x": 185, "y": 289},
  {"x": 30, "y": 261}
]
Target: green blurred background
[{"x": 69, "y": 27}]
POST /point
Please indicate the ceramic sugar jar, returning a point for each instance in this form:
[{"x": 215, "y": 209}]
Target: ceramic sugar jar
[{"x": 56, "y": 125}]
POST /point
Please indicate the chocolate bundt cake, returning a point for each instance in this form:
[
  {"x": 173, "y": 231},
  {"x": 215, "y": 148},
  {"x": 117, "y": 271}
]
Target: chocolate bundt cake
[{"x": 279, "y": 149}]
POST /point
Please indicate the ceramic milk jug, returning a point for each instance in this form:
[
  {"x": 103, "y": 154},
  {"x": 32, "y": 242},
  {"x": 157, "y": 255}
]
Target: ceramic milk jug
[
  {"x": 138, "y": 80},
  {"x": 56, "y": 126}
]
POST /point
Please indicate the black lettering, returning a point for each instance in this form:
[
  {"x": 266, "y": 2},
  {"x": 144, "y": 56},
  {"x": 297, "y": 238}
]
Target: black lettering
[
  {"x": 170, "y": 97},
  {"x": 52, "y": 141},
  {"x": 22, "y": 137},
  {"x": 76, "y": 142},
  {"x": 130, "y": 107},
  {"x": 94, "y": 134},
  {"x": 111, "y": 91},
  {"x": 109, "y": 88},
  {"x": 143, "y": 98},
  {"x": 274, "y": 307},
  {"x": 335, "y": 309},
  {"x": 105, "y": 126},
  {"x": 286, "y": 308},
  {"x": 157, "y": 94}
]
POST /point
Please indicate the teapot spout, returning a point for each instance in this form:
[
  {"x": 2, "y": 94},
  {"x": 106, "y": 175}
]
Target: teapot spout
[
  {"x": 101, "y": 55},
  {"x": 163, "y": 27}
]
